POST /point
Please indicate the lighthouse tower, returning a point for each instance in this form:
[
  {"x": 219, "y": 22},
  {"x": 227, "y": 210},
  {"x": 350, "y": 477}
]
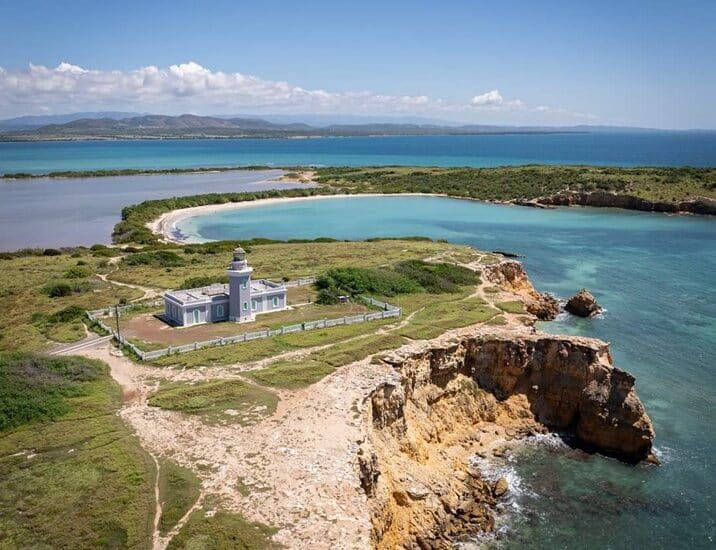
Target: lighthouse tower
[{"x": 240, "y": 288}]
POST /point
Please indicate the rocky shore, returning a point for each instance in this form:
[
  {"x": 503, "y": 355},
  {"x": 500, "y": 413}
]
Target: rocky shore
[
  {"x": 466, "y": 396},
  {"x": 700, "y": 205},
  {"x": 473, "y": 393}
]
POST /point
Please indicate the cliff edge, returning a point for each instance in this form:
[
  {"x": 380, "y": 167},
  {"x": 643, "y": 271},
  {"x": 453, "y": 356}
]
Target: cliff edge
[{"x": 467, "y": 395}]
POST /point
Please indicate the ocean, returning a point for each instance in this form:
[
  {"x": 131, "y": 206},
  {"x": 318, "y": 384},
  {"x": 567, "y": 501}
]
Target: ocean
[
  {"x": 599, "y": 148},
  {"x": 653, "y": 273}
]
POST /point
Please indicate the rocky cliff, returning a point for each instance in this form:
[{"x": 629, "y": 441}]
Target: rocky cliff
[
  {"x": 701, "y": 205},
  {"x": 510, "y": 276},
  {"x": 458, "y": 397}
]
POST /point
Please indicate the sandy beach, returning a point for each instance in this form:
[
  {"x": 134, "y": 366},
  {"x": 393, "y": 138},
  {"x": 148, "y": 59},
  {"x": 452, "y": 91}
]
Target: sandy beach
[{"x": 166, "y": 224}]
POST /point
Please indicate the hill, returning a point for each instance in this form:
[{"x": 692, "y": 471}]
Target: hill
[{"x": 194, "y": 126}]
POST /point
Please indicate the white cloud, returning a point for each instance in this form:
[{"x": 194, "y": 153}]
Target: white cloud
[
  {"x": 493, "y": 97},
  {"x": 190, "y": 87},
  {"x": 187, "y": 84}
]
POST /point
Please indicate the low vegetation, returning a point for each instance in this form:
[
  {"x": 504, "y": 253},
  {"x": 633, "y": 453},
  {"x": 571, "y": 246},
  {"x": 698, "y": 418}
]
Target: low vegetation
[
  {"x": 514, "y": 306},
  {"x": 312, "y": 368},
  {"x": 221, "y": 401},
  {"x": 529, "y": 182},
  {"x": 41, "y": 306},
  {"x": 37, "y": 387},
  {"x": 222, "y": 531},
  {"x": 179, "y": 489},
  {"x": 72, "y": 475},
  {"x": 404, "y": 278}
]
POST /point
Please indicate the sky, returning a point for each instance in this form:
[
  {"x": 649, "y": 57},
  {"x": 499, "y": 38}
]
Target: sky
[{"x": 647, "y": 63}]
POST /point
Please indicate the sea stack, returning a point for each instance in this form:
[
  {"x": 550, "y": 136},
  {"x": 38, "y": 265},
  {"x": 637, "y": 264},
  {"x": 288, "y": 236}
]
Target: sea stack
[{"x": 583, "y": 304}]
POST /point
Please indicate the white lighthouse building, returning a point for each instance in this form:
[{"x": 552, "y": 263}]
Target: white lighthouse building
[{"x": 239, "y": 301}]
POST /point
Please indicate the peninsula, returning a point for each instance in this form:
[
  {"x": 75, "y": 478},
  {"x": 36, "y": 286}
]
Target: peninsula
[{"x": 360, "y": 434}]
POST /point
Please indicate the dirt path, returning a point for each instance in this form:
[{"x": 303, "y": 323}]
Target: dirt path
[{"x": 149, "y": 293}]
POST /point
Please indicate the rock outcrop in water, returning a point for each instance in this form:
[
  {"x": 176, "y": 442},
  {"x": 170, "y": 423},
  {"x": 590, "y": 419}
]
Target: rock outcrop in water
[
  {"x": 583, "y": 304},
  {"x": 701, "y": 205},
  {"x": 459, "y": 397}
]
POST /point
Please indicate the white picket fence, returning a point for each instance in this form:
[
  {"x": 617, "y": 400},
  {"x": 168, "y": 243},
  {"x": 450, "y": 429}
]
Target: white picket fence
[{"x": 387, "y": 312}]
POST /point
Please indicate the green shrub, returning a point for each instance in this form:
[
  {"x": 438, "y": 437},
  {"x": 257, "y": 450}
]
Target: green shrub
[
  {"x": 406, "y": 278},
  {"x": 57, "y": 289},
  {"x": 51, "y": 252},
  {"x": 104, "y": 253},
  {"x": 354, "y": 281},
  {"x": 158, "y": 258},
  {"x": 78, "y": 272},
  {"x": 70, "y": 313},
  {"x": 197, "y": 282}
]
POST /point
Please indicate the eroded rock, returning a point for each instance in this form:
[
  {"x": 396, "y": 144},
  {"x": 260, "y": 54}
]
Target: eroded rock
[
  {"x": 501, "y": 487},
  {"x": 510, "y": 276},
  {"x": 583, "y": 304},
  {"x": 490, "y": 385}
]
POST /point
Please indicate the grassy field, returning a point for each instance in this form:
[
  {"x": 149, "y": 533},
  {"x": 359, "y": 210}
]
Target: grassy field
[
  {"x": 290, "y": 261},
  {"x": 312, "y": 368},
  {"x": 222, "y": 531},
  {"x": 268, "y": 347},
  {"x": 31, "y": 318},
  {"x": 179, "y": 489},
  {"x": 217, "y": 401},
  {"x": 71, "y": 473},
  {"x": 513, "y": 306},
  {"x": 511, "y": 182}
]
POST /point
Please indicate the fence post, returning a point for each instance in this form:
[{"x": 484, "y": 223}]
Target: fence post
[{"x": 196, "y": 345}]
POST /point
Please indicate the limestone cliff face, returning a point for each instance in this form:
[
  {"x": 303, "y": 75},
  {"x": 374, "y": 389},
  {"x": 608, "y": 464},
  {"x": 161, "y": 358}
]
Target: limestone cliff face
[
  {"x": 511, "y": 276},
  {"x": 456, "y": 398},
  {"x": 605, "y": 198}
]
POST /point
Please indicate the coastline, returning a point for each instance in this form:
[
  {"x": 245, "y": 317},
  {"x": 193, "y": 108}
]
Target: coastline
[{"x": 165, "y": 226}]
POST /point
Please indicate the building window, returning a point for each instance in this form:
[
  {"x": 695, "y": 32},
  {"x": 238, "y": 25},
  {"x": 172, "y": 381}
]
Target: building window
[
  {"x": 196, "y": 315},
  {"x": 254, "y": 304},
  {"x": 246, "y": 305},
  {"x": 275, "y": 301},
  {"x": 219, "y": 311},
  {"x": 244, "y": 284}
]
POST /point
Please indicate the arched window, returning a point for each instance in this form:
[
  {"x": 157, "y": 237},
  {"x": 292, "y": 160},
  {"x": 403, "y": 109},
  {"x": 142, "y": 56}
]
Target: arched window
[
  {"x": 196, "y": 315},
  {"x": 220, "y": 310}
]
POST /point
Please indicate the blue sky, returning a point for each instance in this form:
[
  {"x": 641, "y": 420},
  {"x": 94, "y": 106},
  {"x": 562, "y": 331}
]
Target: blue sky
[{"x": 646, "y": 63}]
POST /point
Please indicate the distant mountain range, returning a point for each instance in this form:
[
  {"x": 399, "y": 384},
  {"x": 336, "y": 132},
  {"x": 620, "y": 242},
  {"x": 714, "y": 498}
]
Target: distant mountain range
[{"x": 120, "y": 125}]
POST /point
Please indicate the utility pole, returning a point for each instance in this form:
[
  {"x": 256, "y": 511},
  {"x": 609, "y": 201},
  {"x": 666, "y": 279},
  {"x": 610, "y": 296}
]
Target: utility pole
[{"x": 116, "y": 317}]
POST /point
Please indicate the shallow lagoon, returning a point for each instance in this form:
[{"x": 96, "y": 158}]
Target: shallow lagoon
[
  {"x": 48, "y": 212},
  {"x": 656, "y": 276}
]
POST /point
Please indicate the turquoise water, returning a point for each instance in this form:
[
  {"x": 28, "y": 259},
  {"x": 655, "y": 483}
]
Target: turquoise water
[
  {"x": 656, "y": 276},
  {"x": 619, "y": 149}
]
